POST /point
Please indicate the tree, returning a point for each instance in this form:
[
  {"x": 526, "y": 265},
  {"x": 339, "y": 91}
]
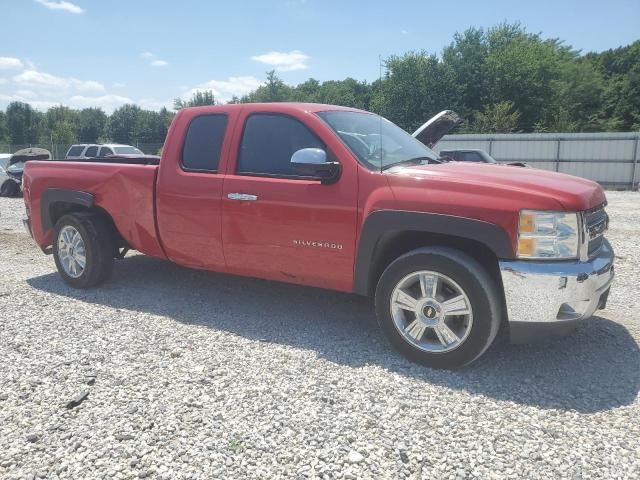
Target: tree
[
  {"x": 199, "y": 98},
  {"x": 124, "y": 125},
  {"x": 23, "y": 123},
  {"x": 274, "y": 90},
  {"x": 92, "y": 124},
  {"x": 498, "y": 118}
]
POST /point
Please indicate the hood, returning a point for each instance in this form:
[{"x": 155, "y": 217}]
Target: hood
[
  {"x": 514, "y": 188},
  {"x": 30, "y": 153},
  {"x": 437, "y": 127}
]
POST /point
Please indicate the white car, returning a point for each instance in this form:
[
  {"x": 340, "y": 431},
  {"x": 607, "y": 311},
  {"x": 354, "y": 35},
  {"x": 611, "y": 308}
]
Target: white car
[
  {"x": 94, "y": 150},
  {"x": 6, "y": 182}
]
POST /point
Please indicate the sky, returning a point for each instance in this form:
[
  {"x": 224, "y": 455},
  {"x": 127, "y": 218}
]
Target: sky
[{"x": 106, "y": 53}]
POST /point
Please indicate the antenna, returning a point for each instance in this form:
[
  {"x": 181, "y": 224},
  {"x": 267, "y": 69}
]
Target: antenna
[{"x": 380, "y": 117}]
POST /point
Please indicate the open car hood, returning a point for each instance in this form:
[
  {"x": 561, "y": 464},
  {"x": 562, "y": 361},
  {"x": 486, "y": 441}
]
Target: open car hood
[
  {"x": 437, "y": 127},
  {"x": 30, "y": 153}
]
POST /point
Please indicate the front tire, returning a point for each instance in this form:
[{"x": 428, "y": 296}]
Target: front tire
[
  {"x": 83, "y": 249},
  {"x": 438, "y": 307}
]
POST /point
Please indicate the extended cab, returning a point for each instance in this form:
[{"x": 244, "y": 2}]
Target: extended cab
[{"x": 342, "y": 199}]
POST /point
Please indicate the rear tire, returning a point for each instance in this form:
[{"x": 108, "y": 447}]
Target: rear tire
[
  {"x": 9, "y": 189},
  {"x": 448, "y": 325},
  {"x": 83, "y": 249}
]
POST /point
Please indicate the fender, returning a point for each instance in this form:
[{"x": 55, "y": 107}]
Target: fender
[
  {"x": 51, "y": 196},
  {"x": 385, "y": 222}
]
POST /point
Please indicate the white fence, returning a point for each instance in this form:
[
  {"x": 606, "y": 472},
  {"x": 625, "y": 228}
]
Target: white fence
[{"x": 610, "y": 159}]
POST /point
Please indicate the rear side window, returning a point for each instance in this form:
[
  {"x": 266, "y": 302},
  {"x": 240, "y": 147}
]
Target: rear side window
[
  {"x": 470, "y": 157},
  {"x": 104, "y": 151},
  {"x": 75, "y": 151},
  {"x": 202, "y": 145},
  {"x": 91, "y": 152},
  {"x": 269, "y": 141}
]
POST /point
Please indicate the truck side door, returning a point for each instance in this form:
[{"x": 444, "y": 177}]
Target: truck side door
[
  {"x": 189, "y": 190},
  {"x": 278, "y": 225}
]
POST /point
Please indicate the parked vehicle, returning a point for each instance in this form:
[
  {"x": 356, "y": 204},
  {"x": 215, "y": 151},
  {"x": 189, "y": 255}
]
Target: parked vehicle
[
  {"x": 432, "y": 131},
  {"x": 5, "y": 190},
  {"x": 11, "y": 176},
  {"x": 342, "y": 199},
  {"x": 93, "y": 150},
  {"x": 475, "y": 155}
]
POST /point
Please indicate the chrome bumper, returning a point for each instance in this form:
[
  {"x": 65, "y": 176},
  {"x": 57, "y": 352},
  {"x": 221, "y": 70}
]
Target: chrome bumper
[{"x": 553, "y": 295}]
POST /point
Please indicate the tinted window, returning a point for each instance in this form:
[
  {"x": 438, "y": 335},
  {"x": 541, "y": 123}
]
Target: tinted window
[
  {"x": 203, "y": 143},
  {"x": 91, "y": 152},
  {"x": 469, "y": 157},
  {"x": 269, "y": 141},
  {"x": 128, "y": 150},
  {"x": 104, "y": 151},
  {"x": 75, "y": 151}
]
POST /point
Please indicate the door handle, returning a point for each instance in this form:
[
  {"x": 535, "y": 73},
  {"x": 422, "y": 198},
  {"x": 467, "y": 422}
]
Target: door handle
[{"x": 242, "y": 196}]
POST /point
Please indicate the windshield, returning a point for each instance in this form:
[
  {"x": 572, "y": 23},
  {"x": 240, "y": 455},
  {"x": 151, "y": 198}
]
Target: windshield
[
  {"x": 16, "y": 167},
  {"x": 377, "y": 142},
  {"x": 127, "y": 151}
]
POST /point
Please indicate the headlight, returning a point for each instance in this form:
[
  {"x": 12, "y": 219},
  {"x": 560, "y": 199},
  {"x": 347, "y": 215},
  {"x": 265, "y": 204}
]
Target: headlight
[{"x": 549, "y": 235}]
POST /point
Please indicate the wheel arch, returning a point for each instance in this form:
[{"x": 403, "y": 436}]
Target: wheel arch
[
  {"x": 388, "y": 234},
  {"x": 55, "y": 203}
]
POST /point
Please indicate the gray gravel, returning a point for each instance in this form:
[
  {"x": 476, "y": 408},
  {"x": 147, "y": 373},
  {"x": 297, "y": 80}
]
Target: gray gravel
[{"x": 173, "y": 373}]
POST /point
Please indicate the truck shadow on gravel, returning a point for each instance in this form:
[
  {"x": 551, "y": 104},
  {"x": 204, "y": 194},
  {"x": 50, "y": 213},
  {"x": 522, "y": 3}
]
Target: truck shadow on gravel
[{"x": 591, "y": 370}]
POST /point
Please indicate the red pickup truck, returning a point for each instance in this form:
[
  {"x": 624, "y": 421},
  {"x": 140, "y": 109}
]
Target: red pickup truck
[{"x": 341, "y": 199}]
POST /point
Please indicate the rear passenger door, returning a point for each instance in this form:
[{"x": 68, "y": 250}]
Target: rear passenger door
[
  {"x": 189, "y": 191},
  {"x": 281, "y": 226}
]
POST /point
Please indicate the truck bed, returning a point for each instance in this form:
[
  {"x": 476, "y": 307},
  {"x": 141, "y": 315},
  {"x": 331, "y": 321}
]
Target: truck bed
[{"x": 124, "y": 187}]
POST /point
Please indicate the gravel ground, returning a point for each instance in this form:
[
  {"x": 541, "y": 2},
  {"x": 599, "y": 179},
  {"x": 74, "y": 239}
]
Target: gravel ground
[{"x": 192, "y": 374}]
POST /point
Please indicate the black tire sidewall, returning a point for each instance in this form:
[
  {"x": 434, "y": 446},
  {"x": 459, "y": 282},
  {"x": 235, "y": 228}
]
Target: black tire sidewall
[
  {"x": 97, "y": 263},
  {"x": 475, "y": 282}
]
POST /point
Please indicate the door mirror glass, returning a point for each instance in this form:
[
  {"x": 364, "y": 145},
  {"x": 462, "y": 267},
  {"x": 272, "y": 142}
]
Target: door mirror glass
[{"x": 312, "y": 162}]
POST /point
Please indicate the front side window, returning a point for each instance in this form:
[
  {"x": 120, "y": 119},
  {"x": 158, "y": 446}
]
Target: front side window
[
  {"x": 91, "y": 152},
  {"x": 269, "y": 141},
  {"x": 203, "y": 143},
  {"x": 75, "y": 151},
  {"x": 104, "y": 151},
  {"x": 376, "y": 142},
  {"x": 127, "y": 150}
]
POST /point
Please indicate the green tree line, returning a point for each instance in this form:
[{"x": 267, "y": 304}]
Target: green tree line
[{"x": 502, "y": 79}]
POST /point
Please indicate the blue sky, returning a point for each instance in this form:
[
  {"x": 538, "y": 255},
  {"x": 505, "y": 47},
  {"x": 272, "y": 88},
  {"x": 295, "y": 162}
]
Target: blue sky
[{"x": 109, "y": 52}]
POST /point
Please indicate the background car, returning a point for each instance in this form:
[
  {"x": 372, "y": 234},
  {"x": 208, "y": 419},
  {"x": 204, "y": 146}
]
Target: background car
[
  {"x": 11, "y": 173},
  {"x": 475, "y": 155},
  {"x": 94, "y": 150}
]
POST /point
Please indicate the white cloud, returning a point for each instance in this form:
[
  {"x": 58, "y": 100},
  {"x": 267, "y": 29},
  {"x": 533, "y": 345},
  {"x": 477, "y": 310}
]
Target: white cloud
[
  {"x": 26, "y": 93},
  {"x": 107, "y": 102},
  {"x": 61, "y": 5},
  {"x": 404, "y": 32},
  {"x": 119, "y": 85},
  {"x": 223, "y": 90},
  {"x": 10, "y": 63},
  {"x": 34, "y": 78},
  {"x": 284, "y": 61},
  {"x": 3, "y": 81},
  {"x": 153, "y": 59}
]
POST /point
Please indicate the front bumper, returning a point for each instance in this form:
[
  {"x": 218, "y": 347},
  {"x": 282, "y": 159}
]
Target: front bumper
[{"x": 554, "y": 296}]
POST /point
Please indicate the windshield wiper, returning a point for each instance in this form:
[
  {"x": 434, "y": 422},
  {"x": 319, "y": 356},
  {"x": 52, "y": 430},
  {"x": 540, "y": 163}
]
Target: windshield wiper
[{"x": 408, "y": 160}]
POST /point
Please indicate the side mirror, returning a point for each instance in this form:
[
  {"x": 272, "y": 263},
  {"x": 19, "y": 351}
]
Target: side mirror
[{"x": 312, "y": 162}]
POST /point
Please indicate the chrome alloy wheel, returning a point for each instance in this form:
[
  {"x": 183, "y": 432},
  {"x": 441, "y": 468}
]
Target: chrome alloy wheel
[
  {"x": 431, "y": 311},
  {"x": 71, "y": 251}
]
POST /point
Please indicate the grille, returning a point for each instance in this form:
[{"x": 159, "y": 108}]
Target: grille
[{"x": 597, "y": 222}]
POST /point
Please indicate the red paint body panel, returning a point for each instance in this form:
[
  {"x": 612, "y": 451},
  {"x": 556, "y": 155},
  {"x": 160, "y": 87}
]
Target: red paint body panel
[
  {"x": 124, "y": 191},
  {"x": 198, "y": 226}
]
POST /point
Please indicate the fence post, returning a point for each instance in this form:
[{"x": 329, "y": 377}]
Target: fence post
[
  {"x": 490, "y": 146},
  {"x": 558, "y": 155},
  {"x": 635, "y": 163}
]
